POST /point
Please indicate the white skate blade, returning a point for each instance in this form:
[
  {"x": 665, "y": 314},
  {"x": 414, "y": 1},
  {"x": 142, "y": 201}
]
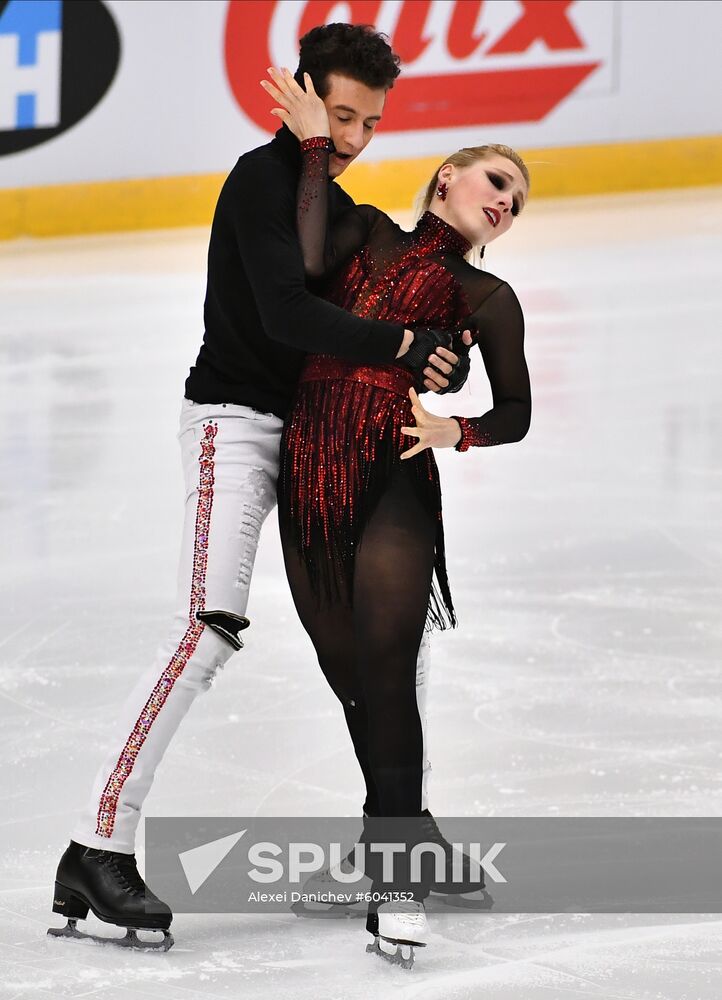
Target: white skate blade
[
  {"x": 406, "y": 942},
  {"x": 328, "y": 911},
  {"x": 334, "y": 904},
  {"x": 395, "y": 953},
  {"x": 131, "y": 939}
]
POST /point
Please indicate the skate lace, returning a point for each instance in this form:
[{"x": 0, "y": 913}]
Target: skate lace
[
  {"x": 124, "y": 868},
  {"x": 432, "y": 833},
  {"x": 410, "y": 912}
]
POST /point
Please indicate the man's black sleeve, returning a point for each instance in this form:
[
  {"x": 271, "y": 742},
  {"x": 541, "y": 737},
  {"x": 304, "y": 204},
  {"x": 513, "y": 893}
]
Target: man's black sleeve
[{"x": 264, "y": 215}]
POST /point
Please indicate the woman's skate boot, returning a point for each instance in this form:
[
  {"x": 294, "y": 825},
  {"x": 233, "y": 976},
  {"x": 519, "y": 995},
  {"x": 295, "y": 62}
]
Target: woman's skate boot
[
  {"x": 328, "y": 893},
  {"x": 325, "y": 894},
  {"x": 108, "y": 883},
  {"x": 398, "y": 928}
]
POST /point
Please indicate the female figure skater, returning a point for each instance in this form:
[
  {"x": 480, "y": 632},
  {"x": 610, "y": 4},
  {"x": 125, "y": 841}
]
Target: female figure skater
[{"x": 359, "y": 511}]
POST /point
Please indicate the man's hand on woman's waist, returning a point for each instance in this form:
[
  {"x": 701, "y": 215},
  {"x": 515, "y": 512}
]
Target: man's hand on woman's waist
[{"x": 437, "y": 365}]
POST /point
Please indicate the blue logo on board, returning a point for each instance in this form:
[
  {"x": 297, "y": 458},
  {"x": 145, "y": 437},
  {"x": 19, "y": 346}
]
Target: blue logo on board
[
  {"x": 57, "y": 62},
  {"x": 30, "y": 64}
]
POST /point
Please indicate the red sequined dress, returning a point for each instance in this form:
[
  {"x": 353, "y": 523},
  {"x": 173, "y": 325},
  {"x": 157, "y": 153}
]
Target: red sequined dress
[{"x": 342, "y": 439}]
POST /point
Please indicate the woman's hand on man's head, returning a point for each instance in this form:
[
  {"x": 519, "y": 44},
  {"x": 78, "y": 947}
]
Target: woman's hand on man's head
[{"x": 302, "y": 111}]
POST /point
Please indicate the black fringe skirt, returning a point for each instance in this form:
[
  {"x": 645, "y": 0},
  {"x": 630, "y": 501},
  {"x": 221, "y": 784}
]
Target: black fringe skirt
[{"x": 341, "y": 446}]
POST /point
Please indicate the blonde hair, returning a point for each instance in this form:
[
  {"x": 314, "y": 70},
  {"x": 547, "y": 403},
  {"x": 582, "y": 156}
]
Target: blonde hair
[{"x": 467, "y": 157}]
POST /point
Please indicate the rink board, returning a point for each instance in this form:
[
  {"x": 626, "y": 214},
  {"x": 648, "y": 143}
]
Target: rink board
[{"x": 123, "y": 116}]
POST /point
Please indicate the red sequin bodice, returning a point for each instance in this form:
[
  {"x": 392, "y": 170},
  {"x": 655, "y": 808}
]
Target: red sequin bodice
[
  {"x": 412, "y": 287},
  {"x": 408, "y": 282}
]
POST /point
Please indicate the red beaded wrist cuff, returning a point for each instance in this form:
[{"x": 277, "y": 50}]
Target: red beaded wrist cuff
[
  {"x": 464, "y": 443},
  {"x": 317, "y": 142}
]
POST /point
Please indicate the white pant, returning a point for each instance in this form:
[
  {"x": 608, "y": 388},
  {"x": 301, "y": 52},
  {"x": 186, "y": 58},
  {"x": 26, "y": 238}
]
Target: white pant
[{"x": 230, "y": 468}]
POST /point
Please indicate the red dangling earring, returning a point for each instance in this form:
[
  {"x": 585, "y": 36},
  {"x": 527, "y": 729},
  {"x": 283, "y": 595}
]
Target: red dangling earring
[{"x": 442, "y": 190}]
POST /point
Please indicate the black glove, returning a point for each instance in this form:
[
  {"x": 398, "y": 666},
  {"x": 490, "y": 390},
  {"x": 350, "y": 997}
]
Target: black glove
[
  {"x": 460, "y": 372},
  {"x": 425, "y": 342}
]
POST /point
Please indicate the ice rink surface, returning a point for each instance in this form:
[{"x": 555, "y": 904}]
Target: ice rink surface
[{"x": 585, "y": 678}]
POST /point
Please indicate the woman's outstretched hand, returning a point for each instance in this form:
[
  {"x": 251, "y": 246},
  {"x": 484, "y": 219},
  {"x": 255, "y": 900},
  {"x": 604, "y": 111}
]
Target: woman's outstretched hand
[
  {"x": 431, "y": 431},
  {"x": 301, "y": 110}
]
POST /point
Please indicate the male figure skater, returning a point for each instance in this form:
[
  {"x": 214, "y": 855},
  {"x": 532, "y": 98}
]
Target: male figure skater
[{"x": 259, "y": 321}]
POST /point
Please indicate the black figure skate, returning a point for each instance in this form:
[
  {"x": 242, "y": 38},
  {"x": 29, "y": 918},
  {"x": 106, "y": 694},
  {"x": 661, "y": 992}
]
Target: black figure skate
[
  {"x": 470, "y": 892},
  {"x": 108, "y": 883}
]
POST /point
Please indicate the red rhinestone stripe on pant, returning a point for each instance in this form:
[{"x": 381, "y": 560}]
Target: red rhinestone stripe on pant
[{"x": 141, "y": 729}]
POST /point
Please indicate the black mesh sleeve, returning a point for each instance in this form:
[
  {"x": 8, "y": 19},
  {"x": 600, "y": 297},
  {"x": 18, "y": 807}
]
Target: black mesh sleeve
[
  {"x": 500, "y": 325},
  {"x": 264, "y": 226},
  {"x": 326, "y": 244}
]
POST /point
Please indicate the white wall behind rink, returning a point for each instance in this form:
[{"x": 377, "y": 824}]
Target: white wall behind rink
[{"x": 170, "y": 109}]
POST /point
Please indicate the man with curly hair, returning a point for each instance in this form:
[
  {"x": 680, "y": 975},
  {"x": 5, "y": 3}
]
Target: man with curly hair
[{"x": 260, "y": 319}]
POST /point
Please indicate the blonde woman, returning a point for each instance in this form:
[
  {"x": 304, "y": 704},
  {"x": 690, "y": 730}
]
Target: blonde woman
[{"x": 359, "y": 493}]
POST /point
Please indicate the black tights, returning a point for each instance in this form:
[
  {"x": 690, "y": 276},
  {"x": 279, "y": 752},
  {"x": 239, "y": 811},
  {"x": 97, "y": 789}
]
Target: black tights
[{"x": 367, "y": 648}]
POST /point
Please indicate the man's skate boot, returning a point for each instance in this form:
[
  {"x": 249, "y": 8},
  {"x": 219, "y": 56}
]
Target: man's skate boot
[
  {"x": 108, "y": 883},
  {"x": 462, "y": 886},
  {"x": 398, "y": 928}
]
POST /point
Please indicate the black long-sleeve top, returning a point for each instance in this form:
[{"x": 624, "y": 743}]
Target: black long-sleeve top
[
  {"x": 376, "y": 269},
  {"x": 260, "y": 319}
]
